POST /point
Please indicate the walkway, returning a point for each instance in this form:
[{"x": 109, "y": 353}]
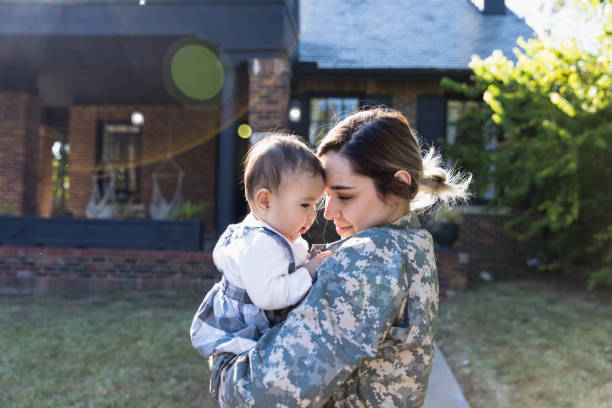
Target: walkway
[{"x": 443, "y": 390}]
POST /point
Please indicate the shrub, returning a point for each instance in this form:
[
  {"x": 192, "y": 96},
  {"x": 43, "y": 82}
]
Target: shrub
[{"x": 551, "y": 118}]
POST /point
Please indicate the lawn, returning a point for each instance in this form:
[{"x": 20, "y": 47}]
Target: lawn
[
  {"x": 521, "y": 344},
  {"x": 530, "y": 344},
  {"x": 112, "y": 350}
]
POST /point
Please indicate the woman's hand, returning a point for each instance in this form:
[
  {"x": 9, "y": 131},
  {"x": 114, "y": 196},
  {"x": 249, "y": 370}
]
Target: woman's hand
[{"x": 315, "y": 262}]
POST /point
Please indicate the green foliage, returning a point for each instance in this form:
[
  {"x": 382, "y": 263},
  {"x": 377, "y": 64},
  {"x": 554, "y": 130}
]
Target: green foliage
[
  {"x": 190, "y": 211},
  {"x": 552, "y": 110},
  {"x": 59, "y": 176},
  {"x": 7, "y": 209}
]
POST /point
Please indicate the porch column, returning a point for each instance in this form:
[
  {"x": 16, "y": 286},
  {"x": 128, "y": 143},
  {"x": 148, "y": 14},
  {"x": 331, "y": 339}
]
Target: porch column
[
  {"x": 269, "y": 93},
  {"x": 227, "y": 174},
  {"x": 19, "y": 121},
  {"x": 268, "y": 101}
]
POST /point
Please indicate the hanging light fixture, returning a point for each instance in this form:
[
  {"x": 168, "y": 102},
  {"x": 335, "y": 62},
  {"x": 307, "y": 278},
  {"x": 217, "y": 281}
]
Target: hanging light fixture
[
  {"x": 137, "y": 118},
  {"x": 295, "y": 112}
]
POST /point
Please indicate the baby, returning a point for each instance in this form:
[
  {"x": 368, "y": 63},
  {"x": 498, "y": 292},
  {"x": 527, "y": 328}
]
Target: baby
[{"x": 263, "y": 259}]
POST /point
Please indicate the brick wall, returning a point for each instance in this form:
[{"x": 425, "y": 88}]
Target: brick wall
[
  {"x": 452, "y": 271},
  {"x": 489, "y": 247},
  {"x": 189, "y": 134},
  {"x": 19, "y": 119},
  {"x": 41, "y": 270},
  {"x": 404, "y": 93},
  {"x": 269, "y": 91}
]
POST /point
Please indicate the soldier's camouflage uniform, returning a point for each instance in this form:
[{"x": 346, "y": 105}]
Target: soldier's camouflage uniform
[{"x": 363, "y": 337}]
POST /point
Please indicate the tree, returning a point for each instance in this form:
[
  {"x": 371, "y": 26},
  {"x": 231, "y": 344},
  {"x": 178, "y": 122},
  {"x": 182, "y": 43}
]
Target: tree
[{"x": 550, "y": 114}]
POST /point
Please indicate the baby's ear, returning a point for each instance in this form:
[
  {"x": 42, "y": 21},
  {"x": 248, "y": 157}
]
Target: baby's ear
[{"x": 262, "y": 199}]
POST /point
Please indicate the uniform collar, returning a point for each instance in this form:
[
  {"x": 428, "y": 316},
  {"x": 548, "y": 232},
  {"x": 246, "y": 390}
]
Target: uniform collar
[{"x": 406, "y": 221}]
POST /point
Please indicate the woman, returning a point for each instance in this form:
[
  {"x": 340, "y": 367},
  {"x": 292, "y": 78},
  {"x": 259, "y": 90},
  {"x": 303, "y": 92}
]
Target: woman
[{"x": 364, "y": 334}]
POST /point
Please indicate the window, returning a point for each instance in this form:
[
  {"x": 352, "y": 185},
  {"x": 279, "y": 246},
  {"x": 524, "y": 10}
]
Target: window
[
  {"x": 456, "y": 110},
  {"x": 119, "y": 152},
  {"x": 61, "y": 183},
  {"x": 55, "y": 121},
  {"x": 326, "y": 112}
]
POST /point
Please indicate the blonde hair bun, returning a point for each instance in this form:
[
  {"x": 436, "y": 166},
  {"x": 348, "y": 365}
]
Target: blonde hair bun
[{"x": 440, "y": 185}]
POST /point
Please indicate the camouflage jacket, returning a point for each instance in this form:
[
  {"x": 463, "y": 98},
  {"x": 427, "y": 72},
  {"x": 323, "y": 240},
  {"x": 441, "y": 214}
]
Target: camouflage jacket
[{"x": 363, "y": 337}]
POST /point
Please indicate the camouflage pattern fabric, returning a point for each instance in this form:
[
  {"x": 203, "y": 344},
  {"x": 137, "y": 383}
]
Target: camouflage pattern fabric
[{"x": 363, "y": 337}]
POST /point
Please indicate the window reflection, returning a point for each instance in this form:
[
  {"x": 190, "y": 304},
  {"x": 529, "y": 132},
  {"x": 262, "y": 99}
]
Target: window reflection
[
  {"x": 457, "y": 110},
  {"x": 120, "y": 151},
  {"x": 325, "y": 113}
]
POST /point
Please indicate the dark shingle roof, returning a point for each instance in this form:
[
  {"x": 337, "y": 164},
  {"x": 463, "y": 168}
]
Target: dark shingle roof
[{"x": 402, "y": 34}]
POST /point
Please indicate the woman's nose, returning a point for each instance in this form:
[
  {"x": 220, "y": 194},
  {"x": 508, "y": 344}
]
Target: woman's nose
[{"x": 330, "y": 209}]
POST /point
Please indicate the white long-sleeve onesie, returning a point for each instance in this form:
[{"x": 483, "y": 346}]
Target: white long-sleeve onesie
[
  {"x": 253, "y": 261},
  {"x": 258, "y": 264}
]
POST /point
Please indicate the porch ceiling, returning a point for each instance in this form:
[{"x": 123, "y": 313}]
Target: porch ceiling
[{"x": 112, "y": 51}]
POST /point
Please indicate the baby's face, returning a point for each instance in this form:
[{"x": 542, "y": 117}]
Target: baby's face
[{"x": 292, "y": 209}]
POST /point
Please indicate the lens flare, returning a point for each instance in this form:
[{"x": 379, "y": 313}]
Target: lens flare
[
  {"x": 197, "y": 72},
  {"x": 245, "y": 131}
]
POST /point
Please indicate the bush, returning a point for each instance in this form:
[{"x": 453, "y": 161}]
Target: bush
[
  {"x": 550, "y": 114},
  {"x": 190, "y": 211}
]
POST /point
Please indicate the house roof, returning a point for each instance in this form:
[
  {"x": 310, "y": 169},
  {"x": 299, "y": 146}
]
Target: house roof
[
  {"x": 402, "y": 34},
  {"x": 244, "y": 29},
  {"x": 115, "y": 51}
]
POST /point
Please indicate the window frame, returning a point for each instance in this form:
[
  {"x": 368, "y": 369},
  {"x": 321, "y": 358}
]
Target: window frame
[
  {"x": 304, "y": 99},
  {"x": 103, "y": 174},
  {"x": 449, "y": 97},
  {"x": 329, "y": 95}
]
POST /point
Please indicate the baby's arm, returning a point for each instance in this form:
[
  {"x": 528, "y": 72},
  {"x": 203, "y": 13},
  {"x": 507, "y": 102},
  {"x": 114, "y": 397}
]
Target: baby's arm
[
  {"x": 264, "y": 270},
  {"x": 315, "y": 262}
]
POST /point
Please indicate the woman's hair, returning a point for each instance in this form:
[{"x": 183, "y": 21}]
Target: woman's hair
[
  {"x": 379, "y": 142},
  {"x": 277, "y": 156}
]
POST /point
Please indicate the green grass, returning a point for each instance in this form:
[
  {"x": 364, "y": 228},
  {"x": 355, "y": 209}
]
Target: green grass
[
  {"x": 530, "y": 344},
  {"x": 112, "y": 350}
]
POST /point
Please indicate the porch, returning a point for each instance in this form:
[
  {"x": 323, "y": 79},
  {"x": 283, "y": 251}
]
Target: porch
[{"x": 73, "y": 75}]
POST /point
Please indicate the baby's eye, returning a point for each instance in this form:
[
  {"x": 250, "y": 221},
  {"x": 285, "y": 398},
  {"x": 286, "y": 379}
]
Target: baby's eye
[
  {"x": 306, "y": 205},
  {"x": 344, "y": 198}
]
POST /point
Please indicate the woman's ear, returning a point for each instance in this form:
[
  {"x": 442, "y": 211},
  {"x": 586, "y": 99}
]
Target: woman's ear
[
  {"x": 262, "y": 199},
  {"x": 403, "y": 176}
]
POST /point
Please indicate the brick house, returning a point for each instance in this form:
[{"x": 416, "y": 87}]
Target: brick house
[{"x": 78, "y": 72}]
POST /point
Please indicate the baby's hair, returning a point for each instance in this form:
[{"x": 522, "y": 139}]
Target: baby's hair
[
  {"x": 275, "y": 157},
  {"x": 379, "y": 142}
]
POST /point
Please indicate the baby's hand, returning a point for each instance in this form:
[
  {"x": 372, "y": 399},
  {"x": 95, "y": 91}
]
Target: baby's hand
[
  {"x": 316, "y": 249},
  {"x": 315, "y": 262}
]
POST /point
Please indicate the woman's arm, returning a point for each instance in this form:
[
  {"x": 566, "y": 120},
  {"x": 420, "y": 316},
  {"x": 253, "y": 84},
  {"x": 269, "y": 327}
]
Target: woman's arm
[{"x": 340, "y": 323}]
